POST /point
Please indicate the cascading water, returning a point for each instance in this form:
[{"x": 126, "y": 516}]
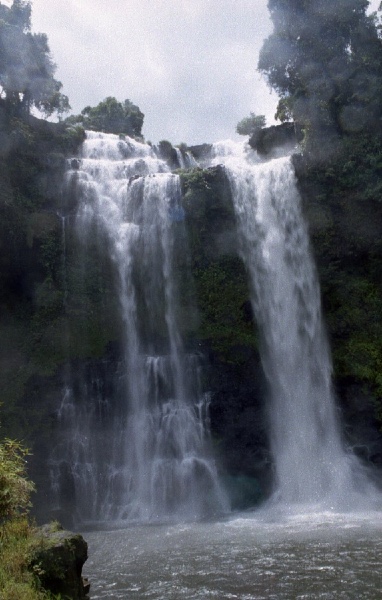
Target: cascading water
[
  {"x": 312, "y": 466},
  {"x": 151, "y": 459}
]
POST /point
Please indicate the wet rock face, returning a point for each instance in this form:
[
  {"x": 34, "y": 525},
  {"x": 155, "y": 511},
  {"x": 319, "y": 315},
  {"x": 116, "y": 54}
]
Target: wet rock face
[
  {"x": 59, "y": 562},
  {"x": 239, "y": 426},
  {"x": 201, "y": 152},
  {"x": 268, "y": 140},
  {"x": 363, "y": 435}
]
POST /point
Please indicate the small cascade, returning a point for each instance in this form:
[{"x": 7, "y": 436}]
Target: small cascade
[
  {"x": 312, "y": 467},
  {"x": 185, "y": 159},
  {"x": 180, "y": 158},
  {"x": 140, "y": 450}
]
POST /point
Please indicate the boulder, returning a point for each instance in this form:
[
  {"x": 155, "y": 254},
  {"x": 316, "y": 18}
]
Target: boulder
[
  {"x": 58, "y": 562},
  {"x": 267, "y": 141}
]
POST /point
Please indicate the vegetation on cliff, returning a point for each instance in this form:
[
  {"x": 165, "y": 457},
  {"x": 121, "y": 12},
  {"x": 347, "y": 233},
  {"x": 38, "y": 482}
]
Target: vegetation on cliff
[
  {"x": 31, "y": 171},
  {"x": 219, "y": 276},
  {"x": 344, "y": 209},
  {"x": 16, "y": 580},
  {"x": 28, "y": 562},
  {"x": 111, "y": 116},
  {"x": 325, "y": 61},
  {"x": 250, "y": 125}
]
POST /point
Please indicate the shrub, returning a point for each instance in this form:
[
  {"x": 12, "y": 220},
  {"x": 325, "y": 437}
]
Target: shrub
[{"x": 15, "y": 488}]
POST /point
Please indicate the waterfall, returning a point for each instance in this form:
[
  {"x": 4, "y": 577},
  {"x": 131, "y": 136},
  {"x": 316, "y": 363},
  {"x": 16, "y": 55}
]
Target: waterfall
[
  {"x": 146, "y": 457},
  {"x": 185, "y": 159},
  {"x": 312, "y": 466}
]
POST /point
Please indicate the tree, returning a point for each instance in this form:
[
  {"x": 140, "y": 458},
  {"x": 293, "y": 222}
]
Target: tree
[
  {"x": 324, "y": 58},
  {"x": 112, "y": 116},
  {"x": 250, "y": 125},
  {"x": 26, "y": 67}
]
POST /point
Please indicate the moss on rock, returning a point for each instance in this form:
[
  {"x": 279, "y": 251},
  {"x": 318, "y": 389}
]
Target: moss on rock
[
  {"x": 58, "y": 562},
  {"x": 220, "y": 278}
]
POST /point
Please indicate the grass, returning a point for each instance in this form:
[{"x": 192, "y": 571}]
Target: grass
[{"x": 18, "y": 541}]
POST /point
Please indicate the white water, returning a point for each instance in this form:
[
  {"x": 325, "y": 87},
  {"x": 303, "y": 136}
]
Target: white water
[
  {"x": 151, "y": 460},
  {"x": 312, "y": 467}
]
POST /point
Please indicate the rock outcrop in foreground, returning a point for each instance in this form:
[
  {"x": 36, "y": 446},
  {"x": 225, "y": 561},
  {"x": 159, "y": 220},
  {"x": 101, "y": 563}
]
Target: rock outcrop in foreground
[{"x": 59, "y": 562}]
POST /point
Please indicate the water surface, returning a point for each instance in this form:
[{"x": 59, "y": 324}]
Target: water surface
[{"x": 312, "y": 556}]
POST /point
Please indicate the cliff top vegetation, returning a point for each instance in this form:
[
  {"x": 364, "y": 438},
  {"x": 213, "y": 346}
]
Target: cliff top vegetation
[
  {"x": 26, "y": 66},
  {"x": 324, "y": 59}
]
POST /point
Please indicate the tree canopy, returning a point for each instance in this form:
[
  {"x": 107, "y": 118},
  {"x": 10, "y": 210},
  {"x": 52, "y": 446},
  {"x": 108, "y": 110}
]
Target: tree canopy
[
  {"x": 112, "y": 116},
  {"x": 26, "y": 66},
  {"x": 249, "y": 125},
  {"x": 324, "y": 58}
]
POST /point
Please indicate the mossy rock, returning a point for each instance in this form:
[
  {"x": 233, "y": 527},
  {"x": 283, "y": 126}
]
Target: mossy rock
[
  {"x": 58, "y": 562},
  {"x": 220, "y": 279}
]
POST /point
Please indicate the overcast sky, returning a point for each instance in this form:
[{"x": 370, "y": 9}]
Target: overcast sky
[{"x": 190, "y": 65}]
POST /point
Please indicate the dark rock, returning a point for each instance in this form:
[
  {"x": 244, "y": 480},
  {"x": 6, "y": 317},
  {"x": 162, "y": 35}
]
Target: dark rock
[
  {"x": 201, "y": 152},
  {"x": 362, "y": 433},
  {"x": 86, "y": 585},
  {"x": 239, "y": 426},
  {"x": 167, "y": 152},
  {"x": 268, "y": 140},
  {"x": 46, "y": 127},
  {"x": 59, "y": 561}
]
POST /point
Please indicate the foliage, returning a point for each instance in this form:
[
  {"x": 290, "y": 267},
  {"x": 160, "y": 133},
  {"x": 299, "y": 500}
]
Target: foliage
[
  {"x": 70, "y": 139},
  {"x": 166, "y": 150},
  {"x": 344, "y": 209},
  {"x": 112, "y": 116},
  {"x": 17, "y": 546},
  {"x": 15, "y": 489},
  {"x": 26, "y": 67},
  {"x": 324, "y": 58},
  {"x": 226, "y": 321},
  {"x": 21, "y": 575},
  {"x": 284, "y": 110},
  {"x": 250, "y": 125},
  {"x": 356, "y": 168},
  {"x": 209, "y": 212},
  {"x": 220, "y": 280}
]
